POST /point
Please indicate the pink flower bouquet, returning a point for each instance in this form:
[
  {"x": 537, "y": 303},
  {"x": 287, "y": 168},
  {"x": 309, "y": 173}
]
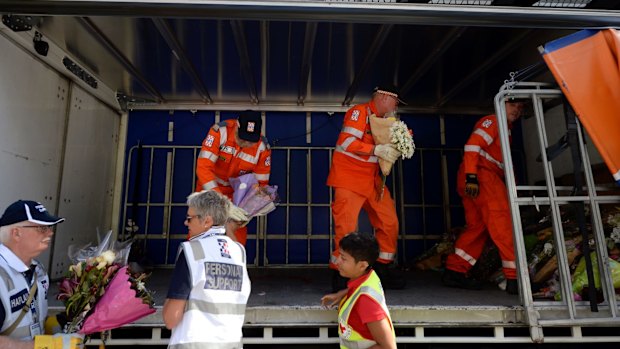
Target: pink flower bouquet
[
  {"x": 100, "y": 293},
  {"x": 256, "y": 200},
  {"x": 121, "y": 304}
]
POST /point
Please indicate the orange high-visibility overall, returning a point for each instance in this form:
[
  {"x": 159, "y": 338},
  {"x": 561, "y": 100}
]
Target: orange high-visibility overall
[
  {"x": 487, "y": 215},
  {"x": 354, "y": 175},
  {"x": 221, "y": 158}
]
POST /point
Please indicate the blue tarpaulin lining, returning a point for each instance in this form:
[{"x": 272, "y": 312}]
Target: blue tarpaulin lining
[{"x": 568, "y": 40}]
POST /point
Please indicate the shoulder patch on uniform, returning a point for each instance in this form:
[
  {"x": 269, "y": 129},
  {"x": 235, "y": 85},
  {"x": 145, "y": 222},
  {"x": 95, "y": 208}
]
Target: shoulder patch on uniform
[
  {"x": 209, "y": 140},
  {"x": 355, "y": 115},
  {"x": 487, "y": 123},
  {"x": 268, "y": 161}
]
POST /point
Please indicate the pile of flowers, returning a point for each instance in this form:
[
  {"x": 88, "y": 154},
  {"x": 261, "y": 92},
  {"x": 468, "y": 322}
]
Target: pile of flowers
[
  {"x": 613, "y": 220},
  {"x": 100, "y": 293},
  {"x": 256, "y": 200}
]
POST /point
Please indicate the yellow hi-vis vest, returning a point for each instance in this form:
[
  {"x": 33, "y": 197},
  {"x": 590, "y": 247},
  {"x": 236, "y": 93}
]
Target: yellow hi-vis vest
[{"x": 349, "y": 338}]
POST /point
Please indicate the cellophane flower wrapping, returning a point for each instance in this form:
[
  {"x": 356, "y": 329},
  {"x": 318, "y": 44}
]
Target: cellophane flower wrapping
[
  {"x": 255, "y": 199},
  {"x": 241, "y": 185},
  {"x": 87, "y": 280},
  {"x": 390, "y": 130},
  {"x": 119, "y": 305}
]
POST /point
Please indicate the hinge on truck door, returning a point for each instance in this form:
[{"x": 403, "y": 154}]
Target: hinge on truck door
[
  {"x": 19, "y": 23},
  {"x": 126, "y": 101}
]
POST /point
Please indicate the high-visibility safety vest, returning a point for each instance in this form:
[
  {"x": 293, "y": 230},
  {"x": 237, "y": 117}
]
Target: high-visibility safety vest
[
  {"x": 215, "y": 310},
  {"x": 14, "y": 292},
  {"x": 349, "y": 338},
  {"x": 354, "y": 166},
  {"x": 483, "y": 148},
  {"x": 221, "y": 158}
]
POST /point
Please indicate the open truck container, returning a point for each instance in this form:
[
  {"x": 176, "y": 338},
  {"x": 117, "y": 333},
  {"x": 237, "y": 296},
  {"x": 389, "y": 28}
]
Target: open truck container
[{"x": 105, "y": 104}]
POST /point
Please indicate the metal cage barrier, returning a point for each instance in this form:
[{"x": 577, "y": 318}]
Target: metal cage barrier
[
  {"x": 156, "y": 186},
  {"x": 567, "y": 311}
]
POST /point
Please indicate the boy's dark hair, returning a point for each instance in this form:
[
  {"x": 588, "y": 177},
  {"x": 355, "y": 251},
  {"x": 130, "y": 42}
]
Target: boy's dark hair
[{"x": 362, "y": 247}]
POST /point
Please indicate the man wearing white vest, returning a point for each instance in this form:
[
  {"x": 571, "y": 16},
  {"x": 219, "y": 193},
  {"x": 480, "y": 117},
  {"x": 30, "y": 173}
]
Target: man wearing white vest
[
  {"x": 26, "y": 230},
  {"x": 205, "y": 305}
]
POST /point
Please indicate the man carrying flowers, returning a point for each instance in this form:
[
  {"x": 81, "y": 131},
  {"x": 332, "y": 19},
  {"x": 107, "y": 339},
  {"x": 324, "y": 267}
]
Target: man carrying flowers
[
  {"x": 355, "y": 177},
  {"x": 233, "y": 148},
  {"x": 26, "y": 230},
  {"x": 205, "y": 305}
]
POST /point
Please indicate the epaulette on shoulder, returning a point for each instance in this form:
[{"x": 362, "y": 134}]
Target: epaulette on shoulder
[
  {"x": 266, "y": 141},
  {"x": 217, "y": 126}
]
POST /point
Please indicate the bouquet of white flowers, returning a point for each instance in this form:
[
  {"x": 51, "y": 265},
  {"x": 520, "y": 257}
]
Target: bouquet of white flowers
[{"x": 390, "y": 130}]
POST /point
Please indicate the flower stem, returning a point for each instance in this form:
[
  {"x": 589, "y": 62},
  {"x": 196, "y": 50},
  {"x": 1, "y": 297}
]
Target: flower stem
[{"x": 382, "y": 188}]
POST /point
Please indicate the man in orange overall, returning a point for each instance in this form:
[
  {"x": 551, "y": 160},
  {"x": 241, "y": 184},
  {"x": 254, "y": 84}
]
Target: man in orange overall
[
  {"x": 232, "y": 148},
  {"x": 354, "y": 175},
  {"x": 487, "y": 214}
]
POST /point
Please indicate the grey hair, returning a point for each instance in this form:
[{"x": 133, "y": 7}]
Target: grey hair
[
  {"x": 210, "y": 203},
  {"x": 5, "y": 233}
]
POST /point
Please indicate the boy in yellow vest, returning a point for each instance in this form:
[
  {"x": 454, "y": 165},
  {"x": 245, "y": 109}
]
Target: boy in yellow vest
[{"x": 363, "y": 317}]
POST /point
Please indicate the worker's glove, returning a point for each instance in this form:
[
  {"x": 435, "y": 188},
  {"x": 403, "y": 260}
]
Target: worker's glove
[
  {"x": 237, "y": 214},
  {"x": 472, "y": 188},
  {"x": 59, "y": 341},
  {"x": 386, "y": 152}
]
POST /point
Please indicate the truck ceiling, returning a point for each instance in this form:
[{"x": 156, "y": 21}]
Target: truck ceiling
[{"x": 446, "y": 56}]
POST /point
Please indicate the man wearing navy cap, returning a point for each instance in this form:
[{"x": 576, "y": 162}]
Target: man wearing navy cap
[
  {"x": 233, "y": 148},
  {"x": 356, "y": 180},
  {"x": 26, "y": 230}
]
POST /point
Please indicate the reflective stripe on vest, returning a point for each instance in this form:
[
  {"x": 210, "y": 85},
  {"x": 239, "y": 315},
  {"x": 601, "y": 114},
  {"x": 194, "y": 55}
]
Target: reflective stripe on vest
[
  {"x": 484, "y": 154},
  {"x": 342, "y": 148},
  {"x": 223, "y": 133},
  {"x": 209, "y": 185},
  {"x": 353, "y": 131},
  {"x": 509, "y": 264},
  {"x": 203, "y": 345},
  {"x": 222, "y": 182},
  {"x": 387, "y": 256},
  {"x": 262, "y": 176},
  {"x": 351, "y": 339},
  {"x": 371, "y": 158},
  {"x": 471, "y": 260},
  {"x": 482, "y": 133},
  {"x": 216, "y": 308},
  {"x": 205, "y": 154}
]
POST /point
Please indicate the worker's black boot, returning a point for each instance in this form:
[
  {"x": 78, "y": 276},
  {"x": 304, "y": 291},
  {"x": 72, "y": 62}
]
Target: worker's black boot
[
  {"x": 452, "y": 278},
  {"x": 391, "y": 278},
  {"x": 512, "y": 287},
  {"x": 338, "y": 282}
]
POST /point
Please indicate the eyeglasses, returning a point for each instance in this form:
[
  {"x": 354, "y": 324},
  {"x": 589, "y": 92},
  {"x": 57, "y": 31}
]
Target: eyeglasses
[
  {"x": 40, "y": 228},
  {"x": 188, "y": 219}
]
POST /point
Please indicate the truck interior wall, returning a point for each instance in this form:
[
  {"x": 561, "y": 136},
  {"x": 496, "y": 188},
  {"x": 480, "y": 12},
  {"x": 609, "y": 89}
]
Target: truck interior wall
[
  {"x": 294, "y": 233},
  {"x": 556, "y": 129},
  {"x": 58, "y": 145}
]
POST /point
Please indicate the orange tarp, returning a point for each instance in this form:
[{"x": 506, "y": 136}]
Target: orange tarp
[{"x": 587, "y": 68}]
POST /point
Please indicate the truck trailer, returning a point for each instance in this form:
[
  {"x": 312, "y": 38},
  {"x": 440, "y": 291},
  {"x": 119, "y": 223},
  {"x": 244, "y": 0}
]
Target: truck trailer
[{"x": 105, "y": 104}]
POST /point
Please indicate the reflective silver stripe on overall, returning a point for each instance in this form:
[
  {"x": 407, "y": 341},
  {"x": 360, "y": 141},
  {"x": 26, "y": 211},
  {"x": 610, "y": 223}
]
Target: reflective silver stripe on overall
[{"x": 484, "y": 154}]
